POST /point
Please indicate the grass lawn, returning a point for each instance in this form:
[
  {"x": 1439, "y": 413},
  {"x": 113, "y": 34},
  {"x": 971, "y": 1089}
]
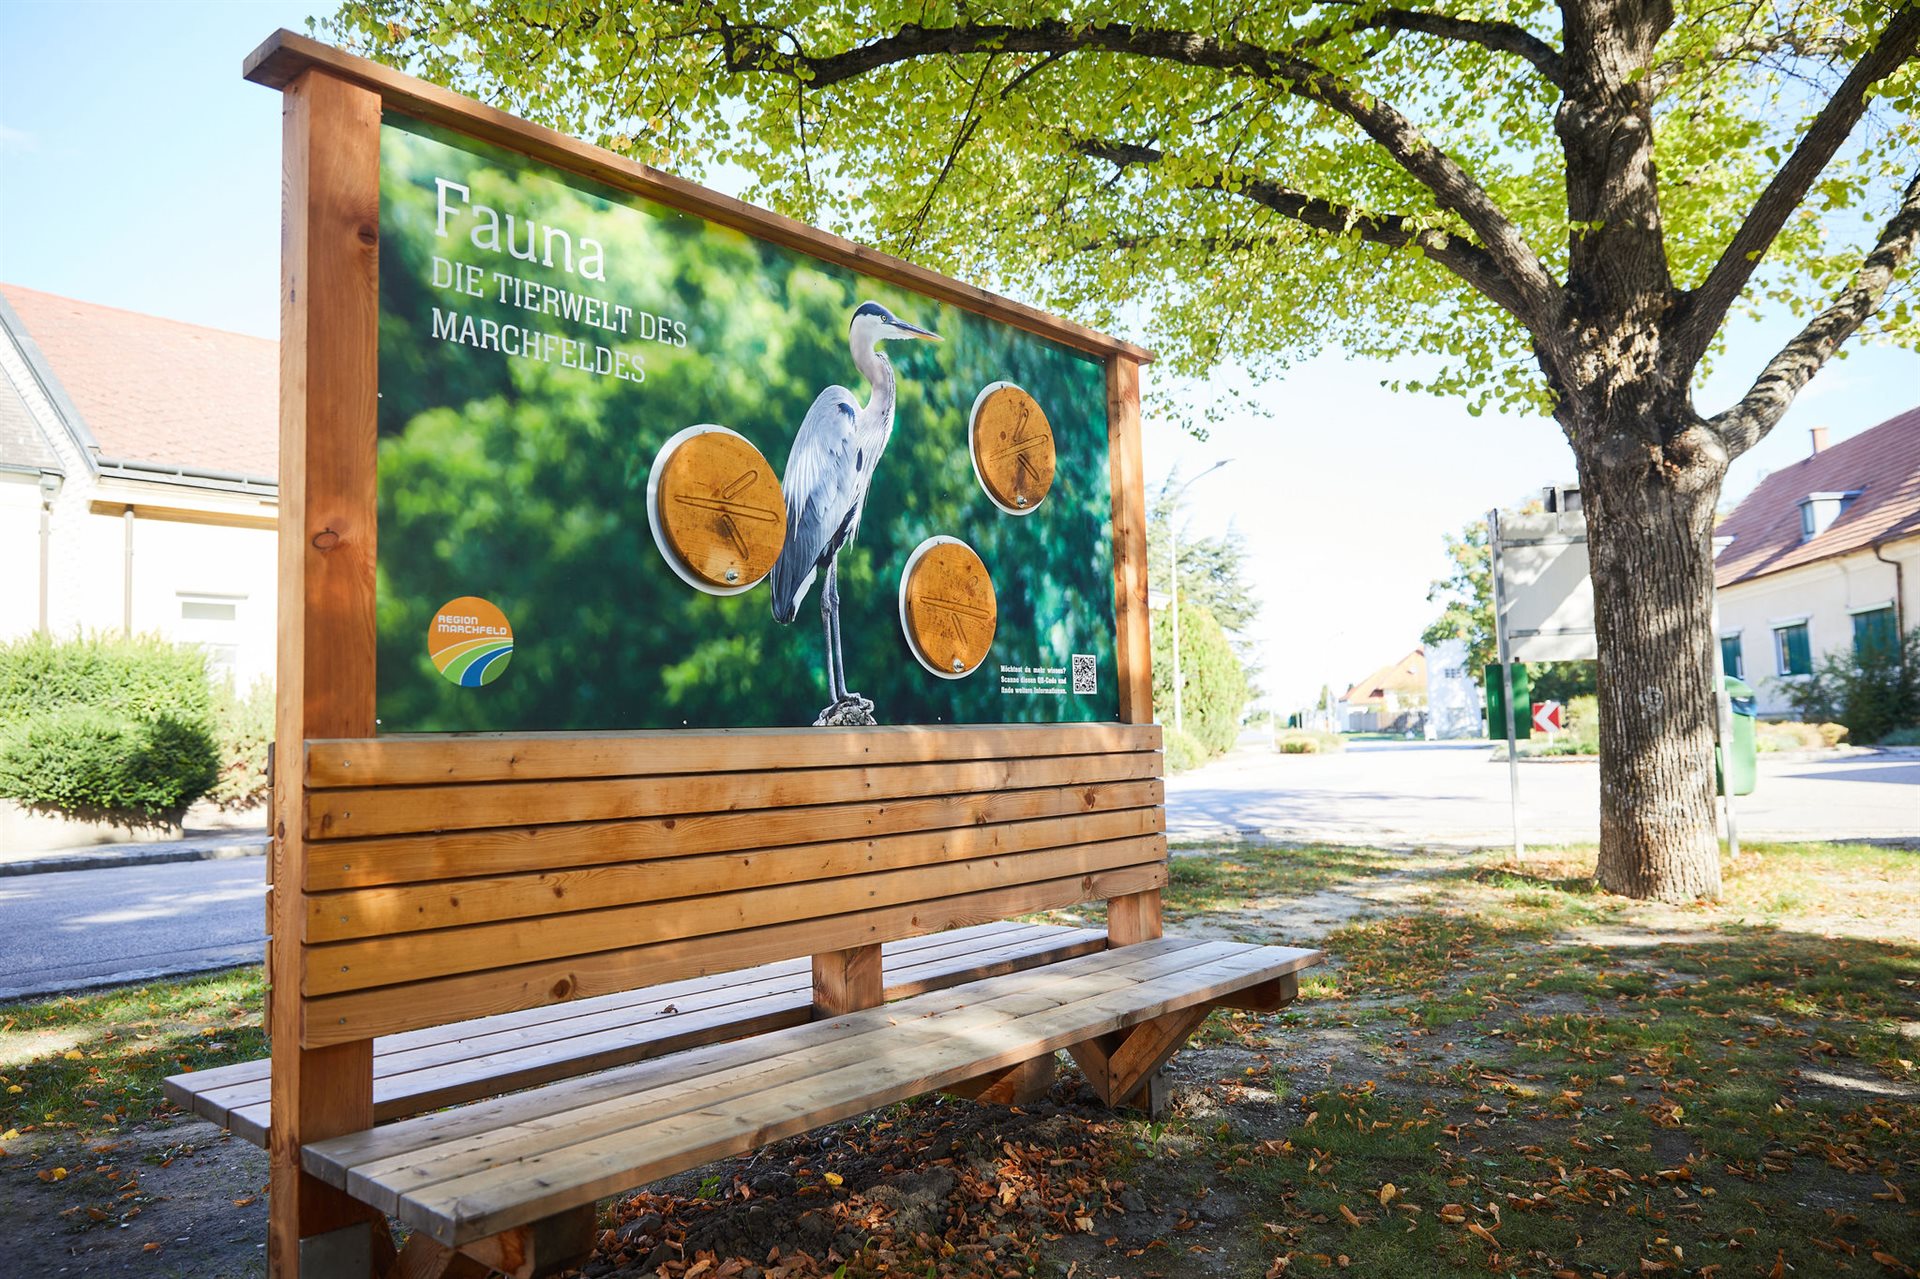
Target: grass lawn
[{"x": 1503, "y": 1071}]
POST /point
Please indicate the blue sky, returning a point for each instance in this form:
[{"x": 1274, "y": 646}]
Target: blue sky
[{"x": 138, "y": 170}]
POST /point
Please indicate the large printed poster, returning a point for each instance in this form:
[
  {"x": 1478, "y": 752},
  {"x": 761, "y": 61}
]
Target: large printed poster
[{"x": 638, "y": 470}]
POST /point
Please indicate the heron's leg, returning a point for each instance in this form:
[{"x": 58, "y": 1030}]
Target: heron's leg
[
  {"x": 837, "y": 667},
  {"x": 829, "y": 603}
]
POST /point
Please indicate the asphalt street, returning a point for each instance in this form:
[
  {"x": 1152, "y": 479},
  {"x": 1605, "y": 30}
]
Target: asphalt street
[
  {"x": 1454, "y": 793},
  {"x": 74, "y": 929}
]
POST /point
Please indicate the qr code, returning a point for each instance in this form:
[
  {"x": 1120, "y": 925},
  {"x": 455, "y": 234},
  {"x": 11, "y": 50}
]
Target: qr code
[{"x": 1083, "y": 673}]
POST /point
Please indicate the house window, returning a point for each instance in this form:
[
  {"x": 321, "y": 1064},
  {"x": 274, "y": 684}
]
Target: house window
[
  {"x": 1730, "y": 659},
  {"x": 211, "y": 623},
  {"x": 1875, "y": 633},
  {"x": 1792, "y": 653}
]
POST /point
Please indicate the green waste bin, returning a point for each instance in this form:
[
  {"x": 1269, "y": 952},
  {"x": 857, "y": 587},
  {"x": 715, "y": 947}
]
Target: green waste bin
[{"x": 1737, "y": 760}]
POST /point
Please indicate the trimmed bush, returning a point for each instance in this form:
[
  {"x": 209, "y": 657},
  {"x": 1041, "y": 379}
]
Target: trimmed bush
[
  {"x": 1215, "y": 691},
  {"x": 244, "y": 730},
  {"x": 106, "y": 726},
  {"x": 1792, "y": 735},
  {"x": 1308, "y": 741},
  {"x": 1183, "y": 752},
  {"x": 144, "y": 677},
  {"x": 92, "y": 762},
  {"x": 1873, "y": 693}
]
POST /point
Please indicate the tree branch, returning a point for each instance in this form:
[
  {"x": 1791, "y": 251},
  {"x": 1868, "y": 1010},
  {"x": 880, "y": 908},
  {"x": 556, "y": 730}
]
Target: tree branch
[
  {"x": 1747, "y": 423},
  {"x": 1500, "y": 37},
  {"x": 1535, "y": 296},
  {"x": 1471, "y": 262},
  {"x": 1705, "y": 308}
]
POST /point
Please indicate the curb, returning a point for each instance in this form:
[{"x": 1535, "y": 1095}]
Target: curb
[{"x": 105, "y": 858}]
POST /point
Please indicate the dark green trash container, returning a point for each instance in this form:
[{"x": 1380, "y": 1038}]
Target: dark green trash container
[{"x": 1741, "y": 765}]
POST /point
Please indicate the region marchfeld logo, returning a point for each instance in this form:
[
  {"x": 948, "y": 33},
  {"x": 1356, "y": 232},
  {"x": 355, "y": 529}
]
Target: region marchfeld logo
[{"x": 469, "y": 641}]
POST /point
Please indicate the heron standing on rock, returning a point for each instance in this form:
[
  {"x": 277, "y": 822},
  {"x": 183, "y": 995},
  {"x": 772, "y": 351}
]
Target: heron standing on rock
[{"x": 825, "y": 484}]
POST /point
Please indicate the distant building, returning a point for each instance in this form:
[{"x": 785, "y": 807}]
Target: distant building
[
  {"x": 1822, "y": 557},
  {"x": 1392, "y": 699},
  {"x": 139, "y": 464},
  {"x": 1453, "y": 695}
]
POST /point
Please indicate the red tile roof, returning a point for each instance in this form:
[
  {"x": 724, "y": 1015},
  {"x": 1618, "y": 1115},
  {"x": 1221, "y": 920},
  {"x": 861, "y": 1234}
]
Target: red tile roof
[
  {"x": 1408, "y": 675},
  {"x": 154, "y": 390},
  {"x": 1882, "y": 464}
]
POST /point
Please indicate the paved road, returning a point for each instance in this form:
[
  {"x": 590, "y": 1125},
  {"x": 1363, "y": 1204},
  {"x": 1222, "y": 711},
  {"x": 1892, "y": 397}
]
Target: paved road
[
  {"x": 1452, "y": 793},
  {"x": 75, "y": 929}
]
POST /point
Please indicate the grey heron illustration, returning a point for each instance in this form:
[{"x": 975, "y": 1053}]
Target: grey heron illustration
[{"x": 826, "y": 481}]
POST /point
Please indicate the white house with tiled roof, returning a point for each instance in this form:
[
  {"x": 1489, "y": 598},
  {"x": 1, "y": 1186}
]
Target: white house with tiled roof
[
  {"x": 138, "y": 478},
  {"x": 1822, "y": 557}
]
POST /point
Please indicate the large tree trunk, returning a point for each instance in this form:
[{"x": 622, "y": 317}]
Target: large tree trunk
[{"x": 1650, "y": 539}]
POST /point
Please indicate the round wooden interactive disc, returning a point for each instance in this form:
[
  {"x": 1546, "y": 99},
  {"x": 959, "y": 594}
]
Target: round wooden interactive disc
[
  {"x": 1012, "y": 445},
  {"x": 947, "y": 607},
  {"x": 716, "y": 509}
]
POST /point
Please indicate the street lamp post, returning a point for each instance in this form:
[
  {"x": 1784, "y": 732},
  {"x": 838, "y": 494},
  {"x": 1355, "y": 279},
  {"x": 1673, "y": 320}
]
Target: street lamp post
[{"x": 1173, "y": 555}]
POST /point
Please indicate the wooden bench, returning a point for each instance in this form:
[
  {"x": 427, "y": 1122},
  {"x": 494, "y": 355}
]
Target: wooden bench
[{"x": 618, "y": 957}]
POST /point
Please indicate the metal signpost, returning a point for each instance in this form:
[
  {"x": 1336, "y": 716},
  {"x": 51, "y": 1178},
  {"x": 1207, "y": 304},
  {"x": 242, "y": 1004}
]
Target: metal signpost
[
  {"x": 1505, "y": 651},
  {"x": 1543, "y": 612}
]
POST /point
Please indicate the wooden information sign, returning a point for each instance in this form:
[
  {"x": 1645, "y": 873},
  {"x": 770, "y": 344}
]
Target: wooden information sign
[{"x": 640, "y": 950}]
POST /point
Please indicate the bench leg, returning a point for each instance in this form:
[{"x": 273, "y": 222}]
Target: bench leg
[
  {"x": 1267, "y": 997},
  {"x": 1015, "y": 1086},
  {"x": 846, "y": 981},
  {"x": 424, "y": 1258},
  {"x": 1124, "y": 1067},
  {"x": 563, "y": 1241}
]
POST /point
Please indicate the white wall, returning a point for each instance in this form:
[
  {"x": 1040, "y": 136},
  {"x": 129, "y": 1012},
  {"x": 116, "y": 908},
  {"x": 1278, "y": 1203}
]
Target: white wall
[
  {"x": 1826, "y": 595},
  {"x": 19, "y": 553}
]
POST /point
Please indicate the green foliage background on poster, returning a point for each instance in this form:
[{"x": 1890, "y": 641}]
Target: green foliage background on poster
[{"x": 524, "y": 482}]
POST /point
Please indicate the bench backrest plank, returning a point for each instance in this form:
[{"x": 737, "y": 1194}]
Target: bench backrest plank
[{"x": 517, "y": 886}]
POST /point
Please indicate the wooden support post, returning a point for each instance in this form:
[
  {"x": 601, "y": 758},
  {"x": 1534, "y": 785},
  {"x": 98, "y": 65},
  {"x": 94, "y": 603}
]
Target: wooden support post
[
  {"x": 1125, "y": 1068},
  {"x": 563, "y": 1241},
  {"x": 1267, "y": 997},
  {"x": 1133, "y": 918},
  {"x": 1015, "y": 1086},
  {"x": 846, "y": 981},
  {"x": 1133, "y": 641},
  {"x": 330, "y": 314}
]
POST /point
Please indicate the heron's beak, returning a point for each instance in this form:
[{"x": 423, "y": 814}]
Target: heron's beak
[{"x": 914, "y": 331}]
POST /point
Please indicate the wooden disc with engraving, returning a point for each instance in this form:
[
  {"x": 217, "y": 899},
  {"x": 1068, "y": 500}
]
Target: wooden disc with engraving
[
  {"x": 1012, "y": 445},
  {"x": 717, "y": 511},
  {"x": 947, "y": 607}
]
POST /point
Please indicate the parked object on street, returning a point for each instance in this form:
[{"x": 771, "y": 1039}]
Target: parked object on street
[{"x": 1737, "y": 760}]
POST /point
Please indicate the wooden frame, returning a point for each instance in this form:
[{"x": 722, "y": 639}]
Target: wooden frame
[{"x": 322, "y": 1082}]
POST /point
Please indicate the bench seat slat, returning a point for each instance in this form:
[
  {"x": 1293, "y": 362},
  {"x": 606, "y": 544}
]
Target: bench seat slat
[
  {"x": 462, "y": 1176},
  {"x": 481, "y": 1123},
  {"x": 341, "y": 814},
  {"x": 444, "y": 1065},
  {"x": 414, "y": 858}
]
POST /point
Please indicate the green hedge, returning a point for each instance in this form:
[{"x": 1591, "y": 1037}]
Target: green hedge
[
  {"x": 1215, "y": 692},
  {"x": 245, "y": 729},
  {"x": 106, "y": 726},
  {"x": 93, "y": 762}
]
